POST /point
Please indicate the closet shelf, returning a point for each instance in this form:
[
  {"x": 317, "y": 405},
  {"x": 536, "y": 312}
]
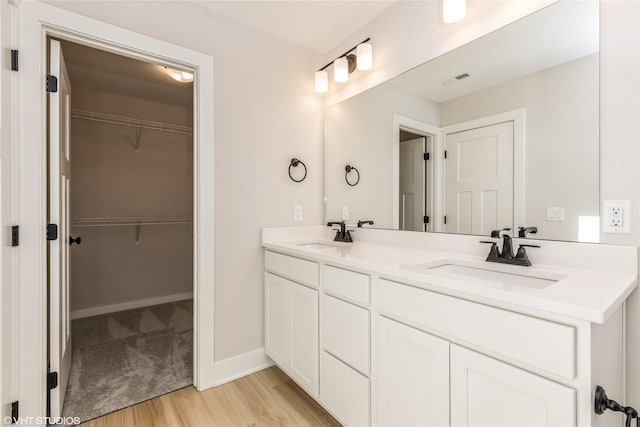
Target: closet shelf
[
  {"x": 130, "y": 122},
  {"x": 124, "y": 221}
]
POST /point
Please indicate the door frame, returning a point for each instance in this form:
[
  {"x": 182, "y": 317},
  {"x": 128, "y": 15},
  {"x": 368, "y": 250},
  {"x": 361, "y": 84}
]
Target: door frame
[
  {"x": 431, "y": 174},
  {"x": 37, "y": 22},
  {"x": 518, "y": 117}
]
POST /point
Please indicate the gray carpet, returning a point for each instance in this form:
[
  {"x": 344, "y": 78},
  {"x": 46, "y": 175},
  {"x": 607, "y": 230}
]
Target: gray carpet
[{"x": 124, "y": 358}]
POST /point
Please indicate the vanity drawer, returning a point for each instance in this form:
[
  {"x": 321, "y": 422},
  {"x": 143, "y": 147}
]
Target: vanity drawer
[
  {"x": 344, "y": 392},
  {"x": 345, "y": 332},
  {"x": 347, "y": 284},
  {"x": 300, "y": 270},
  {"x": 535, "y": 342}
]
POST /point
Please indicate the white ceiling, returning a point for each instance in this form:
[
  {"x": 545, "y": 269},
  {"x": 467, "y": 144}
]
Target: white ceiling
[
  {"x": 559, "y": 33},
  {"x": 96, "y": 70},
  {"x": 316, "y": 25}
]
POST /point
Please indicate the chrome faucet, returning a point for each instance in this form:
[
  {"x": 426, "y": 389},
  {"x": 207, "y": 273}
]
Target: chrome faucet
[
  {"x": 505, "y": 256},
  {"x": 342, "y": 235}
]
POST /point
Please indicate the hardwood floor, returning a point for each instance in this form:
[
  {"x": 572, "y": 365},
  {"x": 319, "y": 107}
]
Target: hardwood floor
[{"x": 266, "y": 398}]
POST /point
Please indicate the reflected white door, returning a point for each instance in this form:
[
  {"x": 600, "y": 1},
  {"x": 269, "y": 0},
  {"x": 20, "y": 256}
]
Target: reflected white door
[
  {"x": 59, "y": 176},
  {"x": 412, "y": 184},
  {"x": 479, "y": 179}
]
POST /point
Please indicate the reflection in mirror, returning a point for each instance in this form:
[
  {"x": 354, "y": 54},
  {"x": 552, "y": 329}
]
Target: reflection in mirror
[{"x": 500, "y": 133}]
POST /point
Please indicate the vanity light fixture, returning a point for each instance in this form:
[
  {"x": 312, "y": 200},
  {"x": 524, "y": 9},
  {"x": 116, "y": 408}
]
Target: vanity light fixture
[
  {"x": 453, "y": 10},
  {"x": 345, "y": 64},
  {"x": 178, "y": 75}
]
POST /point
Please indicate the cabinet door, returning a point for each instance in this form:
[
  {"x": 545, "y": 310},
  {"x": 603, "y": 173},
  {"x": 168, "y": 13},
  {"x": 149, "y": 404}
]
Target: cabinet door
[
  {"x": 486, "y": 392},
  {"x": 412, "y": 377},
  {"x": 345, "y": 392},
  {"x": 277, "y": 302},
  {"x": 304, "y": 338}
]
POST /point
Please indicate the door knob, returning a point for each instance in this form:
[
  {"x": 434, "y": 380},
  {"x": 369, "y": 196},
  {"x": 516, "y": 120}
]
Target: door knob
[{"x": 77, "y": 240}]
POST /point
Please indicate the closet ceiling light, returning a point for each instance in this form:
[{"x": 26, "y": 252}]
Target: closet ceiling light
[
  {"x": 453, "y": 10},
  {"x": 180, "y": 76},
  {"x": 360, "y": 57}
]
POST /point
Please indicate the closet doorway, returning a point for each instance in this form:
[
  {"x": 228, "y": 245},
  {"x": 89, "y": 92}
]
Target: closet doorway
[{"x": 121, "y": 189}]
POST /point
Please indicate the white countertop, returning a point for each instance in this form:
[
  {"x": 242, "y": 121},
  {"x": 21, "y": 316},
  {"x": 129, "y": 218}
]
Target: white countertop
[{"x": 582, "y": 294}]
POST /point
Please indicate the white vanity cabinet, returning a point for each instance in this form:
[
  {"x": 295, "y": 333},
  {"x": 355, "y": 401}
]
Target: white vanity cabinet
[
  {"x": 375, "y": 349},
  {"x": 291, "y": 322},
  {"x": 345, "y": 322},
  {"x": 412, "y": 377},
  {"x": 486, "y": 392}
]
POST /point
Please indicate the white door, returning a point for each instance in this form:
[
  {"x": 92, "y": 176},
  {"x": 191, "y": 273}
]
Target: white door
[
  {"x": 412, "y": 184},
  {"x": 59, "y": 178},
  {"x": 413, "y": 377},
  {"x": 489, "y": 393},
  {"x": 304, "y": 337},
  {"x": 479, "y": 179}
]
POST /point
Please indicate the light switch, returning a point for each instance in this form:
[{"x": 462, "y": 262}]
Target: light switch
[
  {"x": 345, "y": 213},
  {"x": 555, "y": 213}
]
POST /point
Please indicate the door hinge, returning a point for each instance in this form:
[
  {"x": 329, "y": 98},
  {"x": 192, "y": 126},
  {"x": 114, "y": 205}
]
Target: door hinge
[
  {"x": 14, "y": 59},
  {"x": 52, "y": 83},
  {"x": 14, "y": 412},
  {"x": 425, "y": 219},
  {"x": 426, "y": 156},
  {"x": 445, "y": 220},
  {"x": 445, "y": 154},
  {"x": 52, "y": 380},
  {"x": 15, "y": 235},
  {"x": 52, "y": 231}
]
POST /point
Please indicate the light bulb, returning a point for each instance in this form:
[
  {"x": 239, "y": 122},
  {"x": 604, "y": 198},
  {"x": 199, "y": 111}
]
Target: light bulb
[
  {"x": 179, "y": 76},
  {"x": 364, "y": 52},
  {"x": 341, "y": 70},
  {"x": 322, "y": 81},
  {"x": 453, "y": 10}
]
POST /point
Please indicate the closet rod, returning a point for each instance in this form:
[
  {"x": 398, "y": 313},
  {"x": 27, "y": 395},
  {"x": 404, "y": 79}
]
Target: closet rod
[
  {"x": 130, "y": 122},
  {"x": 142, "y": 220}
]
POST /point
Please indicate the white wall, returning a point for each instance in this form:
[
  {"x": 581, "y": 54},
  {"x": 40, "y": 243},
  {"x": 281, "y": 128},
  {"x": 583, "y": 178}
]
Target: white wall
[
  {"x": 109, "y": 178},
  {"x": 359, "y": 132},
  {"x": 266, "y": 111},
  {"x": 562, "y": 139},
  {"x": 619, "y": 146}
]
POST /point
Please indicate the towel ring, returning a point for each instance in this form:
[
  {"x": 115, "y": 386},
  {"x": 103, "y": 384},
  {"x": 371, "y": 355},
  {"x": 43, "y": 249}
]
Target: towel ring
[
  {"x": 294, "y": 163},
  {"x": 348, "y": 169}
]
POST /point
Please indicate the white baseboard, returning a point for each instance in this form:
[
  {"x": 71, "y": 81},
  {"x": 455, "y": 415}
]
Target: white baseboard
[
  {"x": 104, "y": 309},
  {"x": 241, "y": 365}
]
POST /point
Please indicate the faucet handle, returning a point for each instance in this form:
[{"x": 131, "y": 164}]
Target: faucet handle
[
  {"x": 522, "y": 256},
  {"x": 493, "y": 252},
  {"x": 523, "y": 231}
]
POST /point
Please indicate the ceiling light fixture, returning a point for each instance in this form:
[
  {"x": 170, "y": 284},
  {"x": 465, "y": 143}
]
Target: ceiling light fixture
[
  {"x": 178, "y": 75},
  {"x": 453, "y": 10},
  {"x": 345, "y": 64}
]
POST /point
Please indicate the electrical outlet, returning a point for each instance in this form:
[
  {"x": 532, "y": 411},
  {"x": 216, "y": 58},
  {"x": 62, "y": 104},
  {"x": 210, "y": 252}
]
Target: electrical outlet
[
  {"x": 297, "y": 213},
  {"x": 345, "y": 213},
  {"x": 616, "y": 216}
]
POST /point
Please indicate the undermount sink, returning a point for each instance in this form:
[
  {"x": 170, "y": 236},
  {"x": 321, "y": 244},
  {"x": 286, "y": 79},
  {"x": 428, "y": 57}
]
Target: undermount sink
[{"x": 492, "y": 275}]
